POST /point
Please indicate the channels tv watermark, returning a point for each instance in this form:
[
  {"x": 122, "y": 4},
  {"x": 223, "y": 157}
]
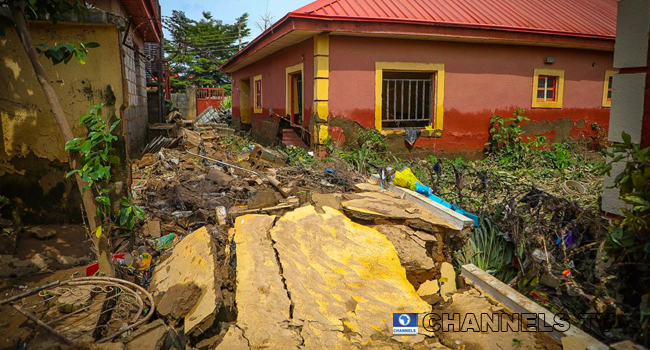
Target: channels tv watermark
[
  {"x": 515, "y": 322},
  {"x": 407, "y": 323}
]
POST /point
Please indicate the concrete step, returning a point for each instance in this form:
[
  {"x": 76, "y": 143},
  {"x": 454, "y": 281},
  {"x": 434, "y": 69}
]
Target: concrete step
[{"x": 291, "y": 138}]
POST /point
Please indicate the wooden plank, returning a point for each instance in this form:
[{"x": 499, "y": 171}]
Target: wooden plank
[
  {"x": 519, "y": 303},
  {"x": 459, "y": 221}
]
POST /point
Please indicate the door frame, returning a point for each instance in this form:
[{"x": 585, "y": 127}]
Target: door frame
[{"x": 292, "y": 70}]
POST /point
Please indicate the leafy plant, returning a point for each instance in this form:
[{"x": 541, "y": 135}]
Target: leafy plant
[
  {"x": 298, "y": 156},
  {"x": 506, "y": 140},
  {"x": 65, "y": 52},
  {"x": 95, "y": 149},
  {"x": 488, "y": 249},
  {"x": 627, "y": 245},
  {"x": 558, "y": 156}
]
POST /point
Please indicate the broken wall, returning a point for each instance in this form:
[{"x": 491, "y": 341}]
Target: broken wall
[
  {"x": 273, "y": 72},
  {"x": 481, "y": 80},
  {"x": 33, "y": 161}
]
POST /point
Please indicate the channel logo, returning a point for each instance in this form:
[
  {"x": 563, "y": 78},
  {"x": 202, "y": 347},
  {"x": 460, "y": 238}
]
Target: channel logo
[{"x": 405, "y": 324}]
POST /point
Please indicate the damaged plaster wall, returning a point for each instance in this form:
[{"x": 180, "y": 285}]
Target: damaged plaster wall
[
  {"x": 33, "y": 161},
  {"x": 481, "y": 80},
  {"x": 273, "y": 71}
]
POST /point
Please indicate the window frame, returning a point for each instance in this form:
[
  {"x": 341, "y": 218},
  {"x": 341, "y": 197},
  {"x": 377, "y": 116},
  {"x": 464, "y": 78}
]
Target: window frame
[
  {"x": 559, "y": 88},
  {"x": 609, "y": 74},
  {"x": 256, "y": 102},
  {"x": 438, "y": 69}
]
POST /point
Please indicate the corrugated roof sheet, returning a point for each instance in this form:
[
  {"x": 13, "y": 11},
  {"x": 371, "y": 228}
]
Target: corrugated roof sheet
[{"x": 592, "y": 18}]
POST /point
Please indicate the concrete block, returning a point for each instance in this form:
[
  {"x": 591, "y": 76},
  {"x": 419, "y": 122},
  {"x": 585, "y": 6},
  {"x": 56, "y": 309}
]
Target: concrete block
[
  {"x": 631, "y": 48},
  {"x": 627, "y": 106}
]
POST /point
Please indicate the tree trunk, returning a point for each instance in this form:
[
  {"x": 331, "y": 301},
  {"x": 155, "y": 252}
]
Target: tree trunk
[{"x": 102, "y": 244}]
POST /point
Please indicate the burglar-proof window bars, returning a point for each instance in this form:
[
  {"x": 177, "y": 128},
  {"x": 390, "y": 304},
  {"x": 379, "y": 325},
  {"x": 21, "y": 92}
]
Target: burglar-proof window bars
[{"x": 407, "y": 99}]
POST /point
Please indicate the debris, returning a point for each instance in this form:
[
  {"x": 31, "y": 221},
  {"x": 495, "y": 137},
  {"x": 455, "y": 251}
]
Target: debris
[
  {"x": 149, "y": 337},
  {"x": 160, "y": 142},
  {"x": 428, "y": 288},
  {"x": 219, "y": 177},
  {"x": 8, "y": 240},
  {"x": 221, "y": 213},
  {"x": 572, "y": 187},
  {"x": 152, "y": 228},
  {"x": 447, "y": 280},
  {"x": 191, "y": 261},
  {"x": 41, "y": 233},
  {"x": 164, "y": 242},
  {"x": 272, "y": 156},
  {"x": 175, "y": 303},
  {"x": 381, "y": 206},
  {"x": 412, "y": 253},
  {"x": 262, "y": 198}
]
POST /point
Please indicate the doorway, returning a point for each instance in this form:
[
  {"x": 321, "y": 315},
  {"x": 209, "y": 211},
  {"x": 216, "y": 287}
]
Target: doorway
[
  {"x": 296, "y": 98},
  {"x": 245, "y": 101}
]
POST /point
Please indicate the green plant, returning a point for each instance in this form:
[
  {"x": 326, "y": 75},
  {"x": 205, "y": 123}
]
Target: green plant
[
  {"x": 488, "y": 249},
  {"x": 558, "y": 156},
  {"x": 298, "y": 156},
  {"x": 96, "y": 159},
  {"x": 506, "y": 140},
  {"x": 65, "y": 52},
  {"x": 226, "y": 103},
  {"x": 627, "y": 245}
]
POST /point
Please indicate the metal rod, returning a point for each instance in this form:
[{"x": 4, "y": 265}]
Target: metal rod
[
  {"x": 401, "y": 109},
  {"x": 395, "y": 102},
  {"x": 43, "y": 325},
  {"x": 29, "y": 292},
  {"x": 223, "y": 163},
  {"x": 409, "y": 99},
  {"x": 417, "y": 84},
  {"x": 387, "y": 99}
]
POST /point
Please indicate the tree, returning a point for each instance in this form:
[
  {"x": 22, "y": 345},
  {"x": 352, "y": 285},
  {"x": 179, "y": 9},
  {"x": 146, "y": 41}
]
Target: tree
[
  {"x": 196, "y": 49},
  {"x": 265, "y": 20},
  {"x": 59, "y": 53}
]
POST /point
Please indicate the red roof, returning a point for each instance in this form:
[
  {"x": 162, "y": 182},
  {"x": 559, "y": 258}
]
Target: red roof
[
  {"x": 568, "y": 17},
  {"x": 587, "y": 24}
]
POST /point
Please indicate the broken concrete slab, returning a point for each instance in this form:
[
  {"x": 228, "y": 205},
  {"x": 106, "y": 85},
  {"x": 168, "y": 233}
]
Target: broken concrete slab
[
  {"x": 332, "y": 200},
  {"x": 428, "y": 288},
  {"x": 412, "y": 252},
  {"x": 192, "y": 260},
  {"x": 379, "y": 206},
  {"x": 219, "y": 177},
  {"x": 234, "y": 340},
  {"x": 168, "y": 305},
  {"x": 149, "y": 337},
  {"x": 264, "y": 308},
  {"x": 262, "y": 198},
  {"x": 447, "y": 280},
  {"x": 344, "y": 279}
]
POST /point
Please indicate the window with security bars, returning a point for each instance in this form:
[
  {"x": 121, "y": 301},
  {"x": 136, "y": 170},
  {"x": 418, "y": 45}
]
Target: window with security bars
[
  {"x": 407, "y": 99},
  {"x": 258, "y": 94},
  {"x": 546, "y": 88}
]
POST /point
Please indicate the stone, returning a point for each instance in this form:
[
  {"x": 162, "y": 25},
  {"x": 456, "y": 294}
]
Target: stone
[
  {"x": 192, "y": 260},
  {"x": 262, "y": 199},
  {"x": 168, "y": 305},
  {"x": 221, "y": 214},
  {"x": 411, "y": 251},
  {"x": 219, "y": 177},
  {"x": 428, "y": 288},
  {"x": 8, "y": 239},
  {"x": 447, "y": 280},
  {"x": 152, "y": 228},
  {"x": 234, "y": 340},
  {"x": 148, "y": 337},
  {"x": 380, "y": 206},
  {"x": 41, "y": 233}
]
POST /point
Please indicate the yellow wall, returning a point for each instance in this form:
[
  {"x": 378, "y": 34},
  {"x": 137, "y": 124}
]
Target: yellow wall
[{"x": 26, "y": 123}]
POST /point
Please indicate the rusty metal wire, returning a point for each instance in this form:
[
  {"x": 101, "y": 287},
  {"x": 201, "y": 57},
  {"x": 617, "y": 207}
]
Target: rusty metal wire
[{"x": 98, "y": 307}]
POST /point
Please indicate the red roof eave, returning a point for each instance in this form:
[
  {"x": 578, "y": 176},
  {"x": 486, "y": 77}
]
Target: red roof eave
[
  {"x": 145, "y": 18},
  {"x": 410, "y": 27}
]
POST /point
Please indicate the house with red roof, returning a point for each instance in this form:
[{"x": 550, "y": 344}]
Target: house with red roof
[{"x": 429, "y": 74}]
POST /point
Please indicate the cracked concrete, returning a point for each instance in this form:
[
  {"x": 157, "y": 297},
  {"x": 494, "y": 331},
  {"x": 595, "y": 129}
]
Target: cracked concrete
[{"x": 318, "y": 280}]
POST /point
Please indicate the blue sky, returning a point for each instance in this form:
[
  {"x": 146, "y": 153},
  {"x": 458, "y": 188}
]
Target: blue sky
[{"x": 228, "y": 10}]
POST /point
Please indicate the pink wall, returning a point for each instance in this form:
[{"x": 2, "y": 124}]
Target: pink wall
[
  {"x": 480, "y": 80},
  {"x": 273, "y": 71}
]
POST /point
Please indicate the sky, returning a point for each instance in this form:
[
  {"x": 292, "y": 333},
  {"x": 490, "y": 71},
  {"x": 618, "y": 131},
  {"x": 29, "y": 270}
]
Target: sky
[{"x": 229, "y": 10}]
